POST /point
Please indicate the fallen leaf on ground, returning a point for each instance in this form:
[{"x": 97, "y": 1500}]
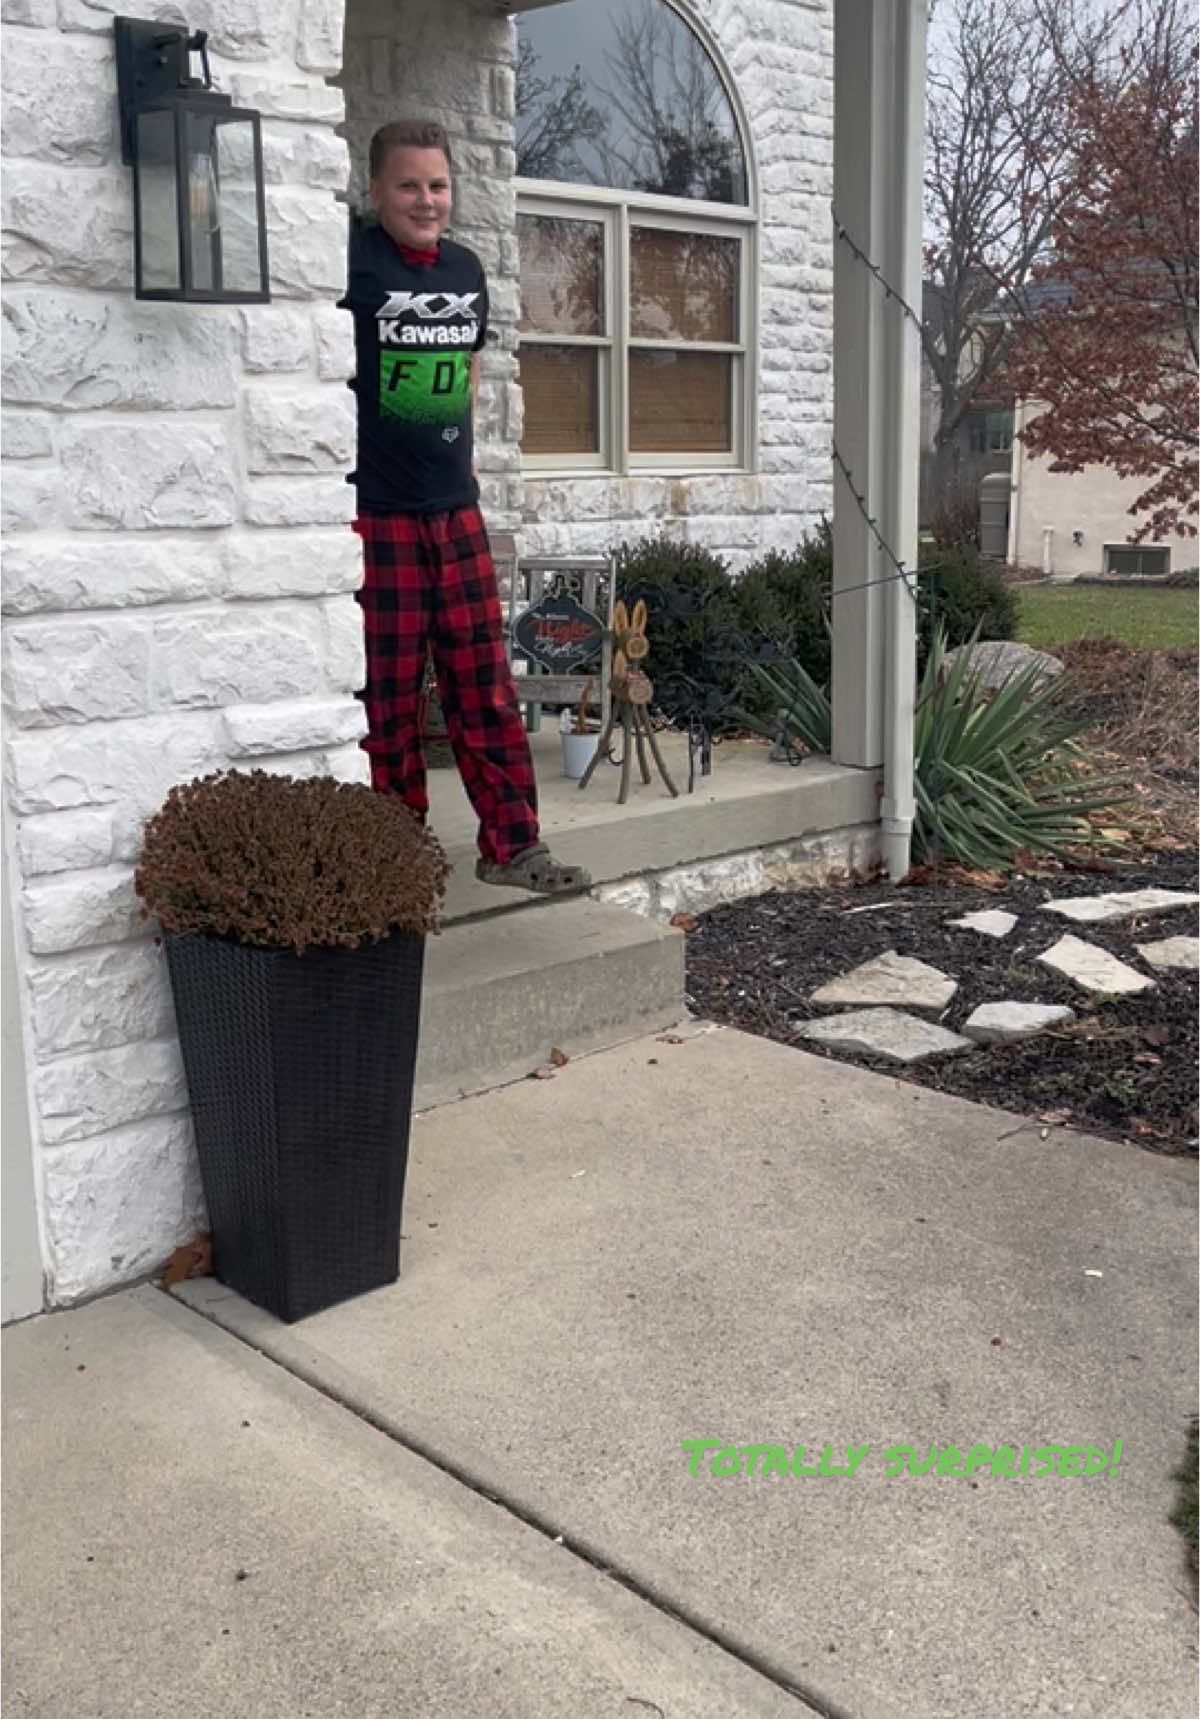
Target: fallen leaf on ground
[
  {"x": 559, "y": 1058},
  {"x": 1056, "y": 1117},
  {"x": 685, "y": 921},
  {"x": 193, "y": 1259},
  {"x": 543, "y": 1073},
  {"x": 669, "y": 1039},
  {"x": 1157, "y": 1035}
]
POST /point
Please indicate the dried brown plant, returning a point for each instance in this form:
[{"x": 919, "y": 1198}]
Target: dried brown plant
[{"x": 287, "y": 864}]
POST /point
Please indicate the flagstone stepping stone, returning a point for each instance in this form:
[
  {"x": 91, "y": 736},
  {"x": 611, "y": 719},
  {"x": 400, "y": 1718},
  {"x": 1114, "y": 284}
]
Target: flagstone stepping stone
[
  {"x": 1120, "y": 904},
  {"x": 993, "y": 922},
  {"x": 1005, "y": 1023},
  {"x": 1094, "y": 969},
  {"x": 890, "y": 978},
  {"x": 1175, "y": 954},
  {"x": 885, "y": 1032}
]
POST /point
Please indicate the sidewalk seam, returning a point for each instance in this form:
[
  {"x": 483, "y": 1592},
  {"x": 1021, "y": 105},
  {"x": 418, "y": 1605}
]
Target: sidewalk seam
[{"x": 345, "y": 1399}]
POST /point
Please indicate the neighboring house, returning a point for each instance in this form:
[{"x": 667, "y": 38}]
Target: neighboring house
[
  {"x": 648, "y": 183},
  {"x": 1078, "y": 524},
  {"x": 1067, "y": 524}
]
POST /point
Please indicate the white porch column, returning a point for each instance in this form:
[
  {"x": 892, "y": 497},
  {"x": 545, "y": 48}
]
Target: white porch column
[
  {"x": 879, "y": 122},
  {"x": 860, "y": 127}
]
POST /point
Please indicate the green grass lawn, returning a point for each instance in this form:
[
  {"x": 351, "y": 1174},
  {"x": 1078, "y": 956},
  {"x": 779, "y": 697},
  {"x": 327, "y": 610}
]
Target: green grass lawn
[{"x": 1151, "y": 620}]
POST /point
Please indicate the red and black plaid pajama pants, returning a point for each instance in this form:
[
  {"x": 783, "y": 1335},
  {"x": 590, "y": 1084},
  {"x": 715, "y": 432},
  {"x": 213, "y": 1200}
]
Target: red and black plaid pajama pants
[{"x": 429, "y": 584}]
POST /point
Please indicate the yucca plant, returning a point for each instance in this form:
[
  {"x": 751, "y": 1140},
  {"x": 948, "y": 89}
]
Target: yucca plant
[
  {"x": 995, "y": 773},
  {"x": 803, "y": 711}
]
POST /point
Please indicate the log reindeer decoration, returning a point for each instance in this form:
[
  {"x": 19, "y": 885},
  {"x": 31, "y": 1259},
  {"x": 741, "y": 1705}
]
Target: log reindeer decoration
[{"x": 631, "y": 691}]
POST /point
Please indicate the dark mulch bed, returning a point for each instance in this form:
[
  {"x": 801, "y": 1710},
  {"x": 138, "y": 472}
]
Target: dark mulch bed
[{"x": 1126, "y": 1067}]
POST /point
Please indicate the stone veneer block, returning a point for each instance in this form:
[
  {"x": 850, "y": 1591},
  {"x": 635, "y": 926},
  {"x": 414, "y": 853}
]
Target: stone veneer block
[
  {"x": 890, "y": 978},
  {"x": 99, "y": 1232},
  {"x": 1005, "y": 1023},
  {"x": 1120, "y": 904},
  {"x": 148, "y": 477},
  {"x": 885, "y": 1032},
  {"x": 1094, "y": 969}
]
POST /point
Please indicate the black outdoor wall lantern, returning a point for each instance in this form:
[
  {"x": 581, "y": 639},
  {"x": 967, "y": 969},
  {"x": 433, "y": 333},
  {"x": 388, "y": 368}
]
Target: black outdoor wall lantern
[{"x": 199, "y": 220}]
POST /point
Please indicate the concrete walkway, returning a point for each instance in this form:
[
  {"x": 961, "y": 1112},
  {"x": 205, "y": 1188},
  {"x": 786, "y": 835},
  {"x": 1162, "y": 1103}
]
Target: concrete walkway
[{"x": 719, "y": 1239}]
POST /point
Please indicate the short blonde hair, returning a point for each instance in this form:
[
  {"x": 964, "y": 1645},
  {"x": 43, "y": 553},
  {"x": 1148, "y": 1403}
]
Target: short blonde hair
[{"x": 406, "y": 134}]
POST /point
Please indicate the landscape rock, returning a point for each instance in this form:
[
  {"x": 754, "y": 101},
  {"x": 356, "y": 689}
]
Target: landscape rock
[
  {"x": 1120, "y": 904},
  {"x": 995, "y": 661},
  {"x": 1094, "y": 969},
  {"x": 1173, "y": 954},
  {"x": 1005, "y": 1023},
  {"x": 993, "y": 922},
  {"x": 890, "y": 978}
]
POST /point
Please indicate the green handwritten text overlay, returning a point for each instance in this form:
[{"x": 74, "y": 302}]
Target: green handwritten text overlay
[{"x": 721, "y": 1459}]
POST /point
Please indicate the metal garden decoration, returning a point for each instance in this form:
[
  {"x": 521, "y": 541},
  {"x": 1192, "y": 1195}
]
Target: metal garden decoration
[
  {"x": 631, "y": 692},
  {"x": 198, "y": 208}
]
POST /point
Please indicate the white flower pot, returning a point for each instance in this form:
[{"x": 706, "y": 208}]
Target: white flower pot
[{"x": 578, "y": 752}]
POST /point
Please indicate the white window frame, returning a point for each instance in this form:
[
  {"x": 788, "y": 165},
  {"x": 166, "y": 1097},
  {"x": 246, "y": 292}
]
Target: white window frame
[{"x": 618, "y": 211}]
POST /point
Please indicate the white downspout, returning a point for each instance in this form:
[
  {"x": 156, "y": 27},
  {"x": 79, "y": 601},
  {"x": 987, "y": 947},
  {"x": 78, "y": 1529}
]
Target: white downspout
[
  {"x": 1016, "y": 473},
  {"x": 903, "y": 165}
]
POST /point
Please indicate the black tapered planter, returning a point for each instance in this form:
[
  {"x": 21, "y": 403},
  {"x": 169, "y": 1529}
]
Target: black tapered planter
[{"x": 300, "y": 1073}]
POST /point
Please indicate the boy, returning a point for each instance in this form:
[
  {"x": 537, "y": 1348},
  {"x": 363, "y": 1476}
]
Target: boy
[{"x": 420, "y": 307}]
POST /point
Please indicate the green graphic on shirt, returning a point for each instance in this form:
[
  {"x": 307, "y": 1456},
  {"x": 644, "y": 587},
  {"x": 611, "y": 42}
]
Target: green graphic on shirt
[{"x": 425, "y": 387}]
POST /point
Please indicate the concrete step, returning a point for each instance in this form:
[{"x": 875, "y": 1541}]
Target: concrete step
[
  {"x": 747, "y": 803},
  {"x": 501, "y": 992}
]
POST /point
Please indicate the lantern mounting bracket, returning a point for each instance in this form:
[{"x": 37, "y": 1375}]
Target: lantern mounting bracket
[{"x": 153, "y": 59}]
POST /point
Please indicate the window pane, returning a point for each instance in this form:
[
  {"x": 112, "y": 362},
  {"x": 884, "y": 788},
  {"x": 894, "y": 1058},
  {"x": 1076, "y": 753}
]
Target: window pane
[
  {"x": 562, "y": 275},
  {"x": 622, "y": 93},
  {"x": 562, "y": 397},
  {"x": 1130, "y": 563},
  {"x": 680, "y": 402},
  {"x": 157, "y": 201},
  {"x": 683, "y": 286},
  {"x": 999, "y": 431}
]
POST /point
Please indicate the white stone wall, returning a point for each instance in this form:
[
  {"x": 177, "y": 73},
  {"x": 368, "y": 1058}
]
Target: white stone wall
[
  {"x": 178, "y": 568},
  {"x": 780, "y": 56},
  {"x": 177, "y": 574}
]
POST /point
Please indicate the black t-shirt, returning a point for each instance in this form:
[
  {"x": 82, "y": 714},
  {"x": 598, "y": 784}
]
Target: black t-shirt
[{"x": 415, "y": 327}]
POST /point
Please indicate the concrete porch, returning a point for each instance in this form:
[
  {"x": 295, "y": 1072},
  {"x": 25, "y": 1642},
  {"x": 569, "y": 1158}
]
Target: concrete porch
[{"x": 512, "y": 976}]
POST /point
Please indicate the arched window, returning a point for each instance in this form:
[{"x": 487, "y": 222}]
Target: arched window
[{"x": 636, "y": 237}]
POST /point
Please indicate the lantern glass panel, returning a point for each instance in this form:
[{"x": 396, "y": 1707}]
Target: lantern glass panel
[
  {"x": 235, "y": 154},
  {"x": 158, "y": 210},
  {"x": 203, "y": 202}
]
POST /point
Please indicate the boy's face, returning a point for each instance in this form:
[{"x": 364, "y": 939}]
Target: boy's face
[{"x": 412, "y": 197}]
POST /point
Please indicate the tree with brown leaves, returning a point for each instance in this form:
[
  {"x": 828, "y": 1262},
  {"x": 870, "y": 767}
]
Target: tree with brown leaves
[{"x": 1110, "y": 352}]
